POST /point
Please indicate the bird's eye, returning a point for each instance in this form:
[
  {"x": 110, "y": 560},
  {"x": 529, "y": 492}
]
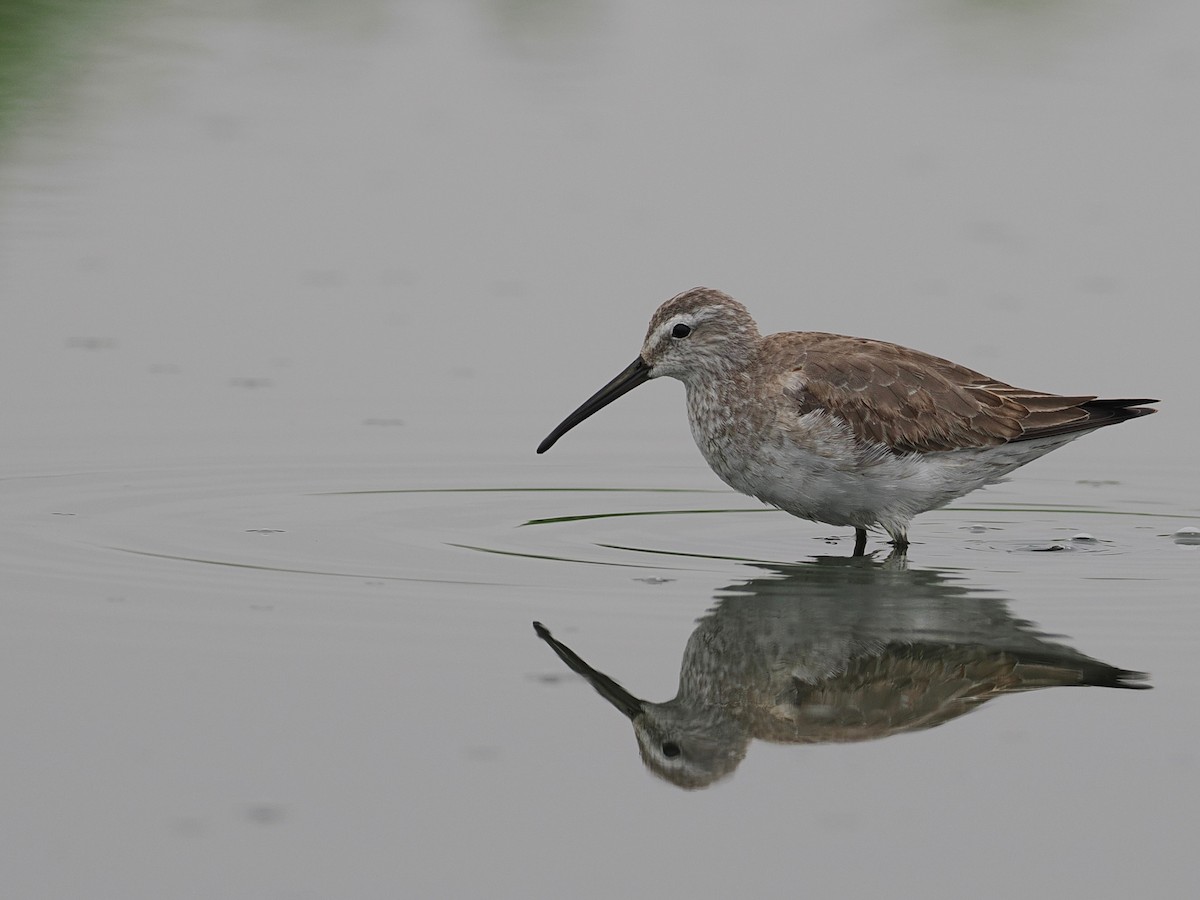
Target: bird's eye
[
  {"x": 671, "y": 749},
  {"x": 681, "y": 330}
]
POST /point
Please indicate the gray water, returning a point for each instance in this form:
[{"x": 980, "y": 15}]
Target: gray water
[{"x": 290, "y": 293}]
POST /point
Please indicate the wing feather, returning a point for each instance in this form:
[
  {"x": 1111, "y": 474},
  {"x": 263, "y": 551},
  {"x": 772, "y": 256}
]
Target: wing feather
[{"x": 911, "y": 401}]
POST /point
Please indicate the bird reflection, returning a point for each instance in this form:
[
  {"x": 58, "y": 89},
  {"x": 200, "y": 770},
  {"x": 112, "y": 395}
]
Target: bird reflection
[{"x": 837, "y": 650}]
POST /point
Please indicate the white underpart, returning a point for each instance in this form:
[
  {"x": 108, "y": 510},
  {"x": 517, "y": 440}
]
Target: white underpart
[{"x": 813, "y": 467}]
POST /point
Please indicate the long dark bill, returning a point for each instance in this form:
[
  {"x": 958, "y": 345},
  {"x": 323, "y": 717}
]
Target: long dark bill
[
  {"x": 605, "y": 686},
  {"x": 636, "y": 373}
]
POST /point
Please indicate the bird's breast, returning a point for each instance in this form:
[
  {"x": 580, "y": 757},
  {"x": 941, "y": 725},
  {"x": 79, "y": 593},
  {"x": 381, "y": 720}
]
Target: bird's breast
[{"x": 810, "y": 465}]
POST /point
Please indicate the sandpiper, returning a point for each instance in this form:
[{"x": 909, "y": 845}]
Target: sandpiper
[{"x": 843, "y": 430}]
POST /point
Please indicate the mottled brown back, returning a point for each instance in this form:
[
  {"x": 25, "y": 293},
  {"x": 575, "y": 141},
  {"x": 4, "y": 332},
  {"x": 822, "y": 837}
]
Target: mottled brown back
[{"x": 912, "y": 401}]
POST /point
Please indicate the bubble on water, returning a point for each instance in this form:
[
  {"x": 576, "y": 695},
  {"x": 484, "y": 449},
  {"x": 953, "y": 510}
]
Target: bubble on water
[
  {"x": 1188, "y": 534},
  {"x": 1084, "y": 538},
  {"x": 977, "y": 529}
]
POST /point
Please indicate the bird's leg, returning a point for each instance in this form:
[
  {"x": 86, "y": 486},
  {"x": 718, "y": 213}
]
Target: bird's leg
[{"x": 860, "y": 541}]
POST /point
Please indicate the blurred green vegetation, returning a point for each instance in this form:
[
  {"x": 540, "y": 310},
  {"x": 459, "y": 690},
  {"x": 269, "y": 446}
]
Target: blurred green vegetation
[{"x": 43, "y": 47}]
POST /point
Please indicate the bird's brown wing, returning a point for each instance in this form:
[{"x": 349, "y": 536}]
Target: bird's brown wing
[
  {"x": 911, "y": 401},
  {"x": 907, "y": 687}
]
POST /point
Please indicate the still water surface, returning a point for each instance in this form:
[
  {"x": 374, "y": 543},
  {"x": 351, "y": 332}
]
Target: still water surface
[{"x": 291, "y": 293}]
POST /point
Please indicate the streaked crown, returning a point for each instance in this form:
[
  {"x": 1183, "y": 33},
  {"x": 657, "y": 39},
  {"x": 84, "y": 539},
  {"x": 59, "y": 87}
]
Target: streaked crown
[{"x": 699, "y": 333}]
